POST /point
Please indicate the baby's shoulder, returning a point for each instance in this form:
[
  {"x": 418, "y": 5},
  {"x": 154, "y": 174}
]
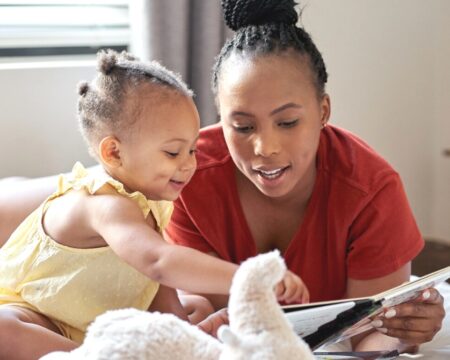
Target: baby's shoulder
[{"x": 67, "y": 219}]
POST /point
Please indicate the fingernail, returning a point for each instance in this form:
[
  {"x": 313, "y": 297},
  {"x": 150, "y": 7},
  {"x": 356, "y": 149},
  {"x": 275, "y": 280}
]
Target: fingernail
[
  {"x": 390, "y": 313},
  {"x": 426, "y": 294},
  {"x": 377, "y": 323},
  {"x": 382, "y": 330}
]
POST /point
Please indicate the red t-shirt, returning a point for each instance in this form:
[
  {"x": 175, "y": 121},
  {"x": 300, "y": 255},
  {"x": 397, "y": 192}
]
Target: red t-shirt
[{"x": 358, "y": 222}]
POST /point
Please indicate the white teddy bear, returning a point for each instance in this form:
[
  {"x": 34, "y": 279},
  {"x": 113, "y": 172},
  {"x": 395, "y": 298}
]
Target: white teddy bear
[{"x": 258, "y": 329}]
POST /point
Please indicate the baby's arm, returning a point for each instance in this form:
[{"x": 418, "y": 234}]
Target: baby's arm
[{"x": 121, "y": 224}]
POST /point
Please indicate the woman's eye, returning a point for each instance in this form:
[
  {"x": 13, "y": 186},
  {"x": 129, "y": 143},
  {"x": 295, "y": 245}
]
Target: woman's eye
[
  {"x": 243, "y": 129},
  {"x": 288, "y": 124},
  {"x": 171, "y": 154},
  {"x": 192, "y": 151}
]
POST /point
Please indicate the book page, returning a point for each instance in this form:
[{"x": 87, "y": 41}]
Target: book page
[
  {"x": 308, "y": 321},
  {"x": 360, "y": 327}
]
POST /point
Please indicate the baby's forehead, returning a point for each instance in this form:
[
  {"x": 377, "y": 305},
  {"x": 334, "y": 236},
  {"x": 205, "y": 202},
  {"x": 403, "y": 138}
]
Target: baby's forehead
[
  {"x": 153, "y": 93},
  {"x": 164, "y": 111}
]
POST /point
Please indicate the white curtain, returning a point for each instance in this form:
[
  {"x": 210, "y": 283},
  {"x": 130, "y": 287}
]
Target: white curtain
[{"x": 185, "y": 36}]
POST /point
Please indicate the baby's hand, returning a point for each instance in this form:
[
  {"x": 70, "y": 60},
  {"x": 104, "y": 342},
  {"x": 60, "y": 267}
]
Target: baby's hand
[
  {"x": 213, "y": 322},
  {"x": 292, "y": 289}
]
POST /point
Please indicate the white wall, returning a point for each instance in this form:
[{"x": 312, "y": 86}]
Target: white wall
[
  {"x": 389, "y": 83},
  {"x": 38, "y": 127},
  {"x": 441, "y": 137}
]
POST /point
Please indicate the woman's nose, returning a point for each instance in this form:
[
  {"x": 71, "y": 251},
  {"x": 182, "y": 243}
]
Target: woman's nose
[{"x": 266, "y": 145}]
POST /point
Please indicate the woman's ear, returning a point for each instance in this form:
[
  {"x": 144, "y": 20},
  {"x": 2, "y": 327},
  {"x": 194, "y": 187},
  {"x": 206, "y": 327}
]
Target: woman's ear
[
  {"x": 325, "y": 106},
  {"x": 109, "y": 151}
]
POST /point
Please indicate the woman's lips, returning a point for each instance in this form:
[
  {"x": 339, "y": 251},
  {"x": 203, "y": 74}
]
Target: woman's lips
[{"x": 272, "y": 177}]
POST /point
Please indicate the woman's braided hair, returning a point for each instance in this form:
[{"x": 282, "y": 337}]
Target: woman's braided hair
[
  {"x": 266, "y": 27},
  {"x": 111, "y": 101}
]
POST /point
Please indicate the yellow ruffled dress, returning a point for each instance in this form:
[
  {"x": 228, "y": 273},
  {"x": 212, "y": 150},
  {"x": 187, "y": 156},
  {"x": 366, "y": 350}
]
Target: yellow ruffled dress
[{"x": 71, "y": 286}]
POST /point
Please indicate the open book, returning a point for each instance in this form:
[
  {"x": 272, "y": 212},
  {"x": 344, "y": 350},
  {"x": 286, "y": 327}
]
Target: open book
[{"x": 328, "y": 322}]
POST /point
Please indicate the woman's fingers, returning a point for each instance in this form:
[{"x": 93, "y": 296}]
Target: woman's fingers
[
  {"x": 414, "y": 322},
  {"x": 409, "y": 336},
  {"x": 429, "y": 305},
  {"x": 431, "y": 296}
]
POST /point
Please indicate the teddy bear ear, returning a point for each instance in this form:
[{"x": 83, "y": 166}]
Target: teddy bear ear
[
  {"x": 227, "y": 336},
  {"x": 269, "y": 266}
]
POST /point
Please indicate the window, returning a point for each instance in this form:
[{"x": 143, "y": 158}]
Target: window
[{"x": 51, "y": 27}]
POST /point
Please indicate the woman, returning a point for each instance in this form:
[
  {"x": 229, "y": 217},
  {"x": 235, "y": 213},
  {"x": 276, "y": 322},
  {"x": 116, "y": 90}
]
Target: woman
[{"x": 274, "y": 174}]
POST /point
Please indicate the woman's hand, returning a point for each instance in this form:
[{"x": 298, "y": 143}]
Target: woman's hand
[
  {"x": 292, "y": 289},
  {"x": 408, "y": 325},
  {"x": 214, "y": 321},
  {"x": 414, "y": 322}
]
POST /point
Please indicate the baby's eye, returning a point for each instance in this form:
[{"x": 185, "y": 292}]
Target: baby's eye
[
  {"x": 288, "y": 124},
  {"x": 171, "y": 154},
  {"x": 192, "y": 151}
]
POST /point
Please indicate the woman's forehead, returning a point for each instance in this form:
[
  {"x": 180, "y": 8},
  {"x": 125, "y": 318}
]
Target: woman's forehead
[
  {"x": 238, "y": 68},
  {"x": 269, "y": 76}
]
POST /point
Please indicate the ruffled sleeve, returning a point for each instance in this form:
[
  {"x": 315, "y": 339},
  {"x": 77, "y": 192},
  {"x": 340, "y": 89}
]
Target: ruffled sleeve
[{"x": 80, "y": 178}]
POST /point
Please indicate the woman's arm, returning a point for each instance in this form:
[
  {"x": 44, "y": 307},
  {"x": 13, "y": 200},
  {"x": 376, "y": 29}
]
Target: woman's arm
[
  {"x": 383, "y": 236},
  {"x": 18, "y": 198}
]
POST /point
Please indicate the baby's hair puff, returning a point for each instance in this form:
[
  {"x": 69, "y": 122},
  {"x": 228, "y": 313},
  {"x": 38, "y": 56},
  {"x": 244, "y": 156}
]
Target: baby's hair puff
[
  {"x": 83, "y": 87},
  {"x": 106, "y": 60},
  {"x": 111, "y": 102}
]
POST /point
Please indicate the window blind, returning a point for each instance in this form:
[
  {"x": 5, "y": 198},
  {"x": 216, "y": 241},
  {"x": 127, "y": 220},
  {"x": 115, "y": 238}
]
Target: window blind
[{"x": 51, "y": 26}]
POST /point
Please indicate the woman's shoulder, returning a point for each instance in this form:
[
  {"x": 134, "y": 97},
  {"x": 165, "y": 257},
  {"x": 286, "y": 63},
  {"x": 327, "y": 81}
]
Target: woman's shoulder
[
  {"x": 349, "y": 159},
  {"x": 212, "y": 150}
]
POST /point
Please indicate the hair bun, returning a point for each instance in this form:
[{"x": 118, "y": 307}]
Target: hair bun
[
  {"x": 242, "y": 13},
  {"x": 106, "y": 60},
  {"x": 82, "y": 88}
]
